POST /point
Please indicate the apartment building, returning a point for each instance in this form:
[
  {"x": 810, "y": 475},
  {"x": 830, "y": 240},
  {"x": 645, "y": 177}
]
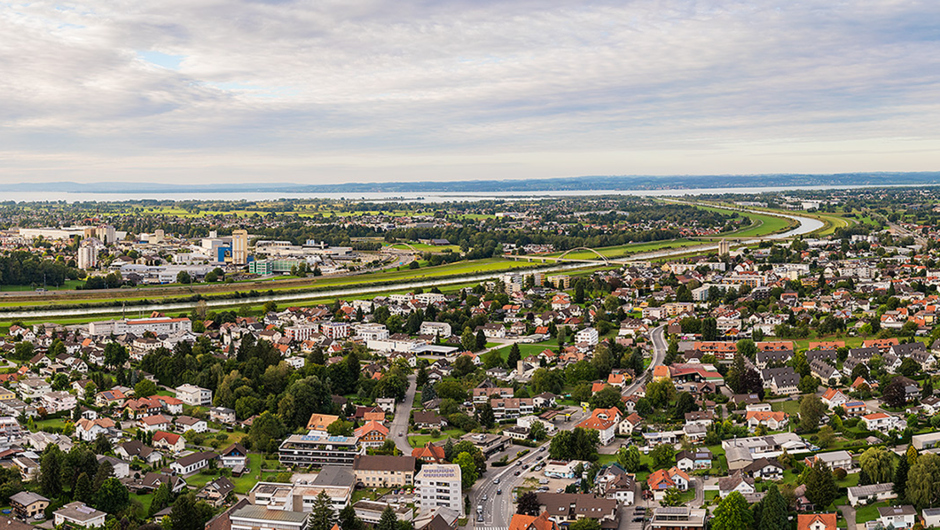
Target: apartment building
[{"x": 438, "y": 485}]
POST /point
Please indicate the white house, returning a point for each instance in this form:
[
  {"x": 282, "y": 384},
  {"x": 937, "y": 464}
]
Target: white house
[
  {"x": 586, "y": 335},
  {"x": 194, "y": 395},
  {"x": 78, "y": 514},
  {"x": 897, "y": 516},
  {"x": 871, "y": 493},
  {"x": 192, "y": 463}
]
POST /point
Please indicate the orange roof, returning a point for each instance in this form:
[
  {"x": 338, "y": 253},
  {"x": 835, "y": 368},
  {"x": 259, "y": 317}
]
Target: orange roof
[
  {"x": 170, "y": 438},
  {"x": 661, "y": 371},
  {"x": 371, "y": 426},
  {"x": 428, "y": 452},
  {"x": 765, "y": 415},
  {"x": 805, "y": 521},
  {"x": 530, "y": 522}
]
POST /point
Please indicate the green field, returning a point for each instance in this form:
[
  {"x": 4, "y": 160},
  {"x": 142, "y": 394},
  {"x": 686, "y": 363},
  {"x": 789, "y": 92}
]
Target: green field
[
  {"x": 422, "y": 247},
  {"x": 405, "y": 274},
  {"x": 627, "y": 250},
  {"x": 761, "y": 225}
]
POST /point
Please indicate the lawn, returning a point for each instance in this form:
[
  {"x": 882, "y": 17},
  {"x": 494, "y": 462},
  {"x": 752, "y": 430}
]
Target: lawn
[
  {"x": 420, "y": 440},
  {"x": 761, "y": 225},
  {"x": 869, "y": 513},
  {"x": 790, "y": 407},
  {"x": 627, "y": 250}
]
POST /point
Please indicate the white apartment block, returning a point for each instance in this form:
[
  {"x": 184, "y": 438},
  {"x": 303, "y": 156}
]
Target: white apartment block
[
  {"x": 438, "y": 485},
  {"x": 194, "y": 395}
]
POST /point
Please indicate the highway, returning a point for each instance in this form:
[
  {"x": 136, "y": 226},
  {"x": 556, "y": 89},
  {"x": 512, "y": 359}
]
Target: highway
[{"x": 284, "y": 297}]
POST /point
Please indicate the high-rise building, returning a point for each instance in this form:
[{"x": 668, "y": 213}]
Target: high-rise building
[
  {"x": 88, "y": 254},
  {"x": 438, "y": 485},
  {"x": 106, "y": 233},
  {"x": 724, "y": 247},
  {"x": 240, "y": 247}
]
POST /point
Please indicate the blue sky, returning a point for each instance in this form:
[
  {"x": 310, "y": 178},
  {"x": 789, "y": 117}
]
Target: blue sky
[{"x": 330, "y": 91}]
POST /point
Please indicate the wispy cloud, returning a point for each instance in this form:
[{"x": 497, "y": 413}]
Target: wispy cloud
[{"x": 326, "y": 91}]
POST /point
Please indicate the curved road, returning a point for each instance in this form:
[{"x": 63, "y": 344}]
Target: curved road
[{"x": 658, "y": 335}]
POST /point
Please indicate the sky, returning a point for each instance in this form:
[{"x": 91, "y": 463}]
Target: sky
[{"x": 238, "y": 91}]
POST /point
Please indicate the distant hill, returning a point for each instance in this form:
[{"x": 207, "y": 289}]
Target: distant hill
[{"x": 584, "y": 183}]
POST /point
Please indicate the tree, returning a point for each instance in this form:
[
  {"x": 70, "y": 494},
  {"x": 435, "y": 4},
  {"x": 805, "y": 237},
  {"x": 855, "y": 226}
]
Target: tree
[
  {"x": 184, "y": 278},
  {"x": 514, "y": 356},
  {"x": 821, "y": 487},
  {"x": 799, "y": 364},
  {"x": 184, "y": 515},
  {"x": 50, "y": 471},
  {"x": 113, "y": 496},
  {"x": 773, "y": 510},
  {"x": 732, "y": 513},
  {"x": 537, "y": 431},
  {"x": 388, "y": 520},
  {"x": 808, "y": 384},
  {"x": 900, "y": 478},
  {"x": 606, "y": 398},
  {"x": 811, "y": 411},
  {"x": 629, "y": 458},
  {"x": 348, "y": 519},
  {"x": 736, "y": 373},
  {"x": 685, "y": 403},
  {"x": 145, "y": 388},
  {"x": 480, "y": 342},
  {"x": 894, "y": 394},
  {"x": 661, "y": 392},
  {"x": 468, "y": 470},
  {"x": 161, "y": 498},
  {"x": 663, "y": 455},
  {"x": 265, "y": 431},
  {"x": 909, "y": 367},
  {"x": 83, "y": 491},
  {"x": 672, "y": 497},
  {"x": 340, "y": 428},
  {"x": 922, "y": 490},
  {"x": 467, "y": 340},
  {"x": 485, "y": 415},
  {"x": 826, "y": 436},
  {"x": 322, "y": 514},
  {"x": 528, "y": 504},
  {"x": 585, "y": 523},
  {"x": 115, "y": 354},
  {"x": 709, "y": 329},
  {"x": 878, "y": 464}
]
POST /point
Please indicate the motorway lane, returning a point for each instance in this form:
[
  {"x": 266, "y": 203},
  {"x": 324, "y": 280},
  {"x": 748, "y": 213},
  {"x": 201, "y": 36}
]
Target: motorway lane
[{"x": 499, "y": 509}]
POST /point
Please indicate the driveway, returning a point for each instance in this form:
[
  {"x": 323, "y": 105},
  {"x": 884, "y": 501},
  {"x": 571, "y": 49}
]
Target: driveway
[{"x": 849, "y": 513}]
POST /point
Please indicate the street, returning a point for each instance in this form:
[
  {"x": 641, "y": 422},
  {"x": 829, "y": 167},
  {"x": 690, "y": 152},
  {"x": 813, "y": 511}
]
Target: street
[
  {"x": 399, "y": 428},
  {"x": 498, "y": 509},
  {"x": 659, "y": 353}
]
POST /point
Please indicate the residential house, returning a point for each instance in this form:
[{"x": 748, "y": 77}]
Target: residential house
[
  {"x": 169, "y": 441},
  {"x": 28, "y": 505},
  {"x": 903, "y": 516},
  {"x": 192, "y": 463},
  {"x": 78, "y": 514},
  {"x": 384, "y": 471}
]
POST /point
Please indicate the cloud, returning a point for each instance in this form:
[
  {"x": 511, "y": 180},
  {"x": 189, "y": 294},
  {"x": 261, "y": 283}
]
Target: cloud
[{"x": 328, "y": 91}]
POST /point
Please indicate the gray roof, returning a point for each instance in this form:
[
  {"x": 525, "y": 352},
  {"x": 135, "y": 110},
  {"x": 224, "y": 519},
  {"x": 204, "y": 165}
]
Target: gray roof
[
  {"x": 262, "y": 513},
  {"x": 870, "y": 489},
  {"x": 27, "y": 497},
  {"x": 335, "y": 476},
  {"x": 888, "y": 511}
]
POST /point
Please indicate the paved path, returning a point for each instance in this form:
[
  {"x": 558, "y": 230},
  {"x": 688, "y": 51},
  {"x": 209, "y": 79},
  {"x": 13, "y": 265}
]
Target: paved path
[
  {"x": 659, "y": 353},
  {"x": 399, "y": 428},
  {"x": 849, "y": 513}
]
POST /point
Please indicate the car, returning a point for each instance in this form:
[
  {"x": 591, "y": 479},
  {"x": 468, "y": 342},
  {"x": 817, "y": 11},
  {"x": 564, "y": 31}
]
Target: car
[
  {"x": 517, "y": 473},
  {"x": 479, "y": 517},
  {"x": 496, "y": 480},
  {"x": 499, "y": 491},
  {"x": 559, "y": 490},
  {"x": 640, "y": 508},
  {"x": 542, "y": 449},
  {"x": 484, "y": 496}
]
